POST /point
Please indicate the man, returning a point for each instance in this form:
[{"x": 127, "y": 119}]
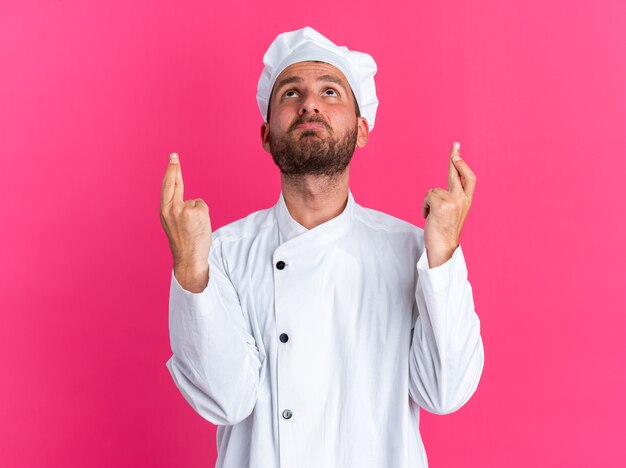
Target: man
[{"x": 317, "y": 328}]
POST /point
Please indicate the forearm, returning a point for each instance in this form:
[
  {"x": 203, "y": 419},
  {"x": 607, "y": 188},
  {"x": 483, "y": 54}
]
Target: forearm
[
  {"x": 447, "y": 354},
  {"x": 215, "y": 361}
]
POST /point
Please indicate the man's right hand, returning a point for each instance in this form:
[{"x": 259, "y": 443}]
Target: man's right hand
[{"x": 188, "y": 228}]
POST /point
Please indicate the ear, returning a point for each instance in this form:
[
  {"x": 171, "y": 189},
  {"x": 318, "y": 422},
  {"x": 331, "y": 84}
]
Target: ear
[
  {"x": 363, "y": 132},
  {"x": 265, "y": 136}
]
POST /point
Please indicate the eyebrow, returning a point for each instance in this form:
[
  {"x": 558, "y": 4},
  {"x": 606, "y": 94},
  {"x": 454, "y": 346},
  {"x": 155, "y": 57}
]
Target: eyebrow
[{"x": 297, "y": 79}]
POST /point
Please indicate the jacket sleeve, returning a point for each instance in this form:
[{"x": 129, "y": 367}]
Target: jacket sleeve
[
  {"x": 215, "y": 362},
  {"x": 447, "y": 356}
]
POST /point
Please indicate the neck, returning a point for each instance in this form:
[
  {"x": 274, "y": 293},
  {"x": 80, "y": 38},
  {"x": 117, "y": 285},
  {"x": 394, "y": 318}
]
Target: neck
[{"x": 312, "y": 199}]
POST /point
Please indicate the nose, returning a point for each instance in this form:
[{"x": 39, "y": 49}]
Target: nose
[{"x": 309, "y": 105}]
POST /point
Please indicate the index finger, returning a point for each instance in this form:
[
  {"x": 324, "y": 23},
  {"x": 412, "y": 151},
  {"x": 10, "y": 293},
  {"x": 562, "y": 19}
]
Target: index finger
[
  {"x": 172, "y": 187},
  {"x": 468, "y": 183},
  {"x": 454, "y": 178}
]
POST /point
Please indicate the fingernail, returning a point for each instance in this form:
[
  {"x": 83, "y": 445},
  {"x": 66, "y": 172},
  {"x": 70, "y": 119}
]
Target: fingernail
[
  {"x": 174, "y": 157},
  {"x": 456, "y": 145}
]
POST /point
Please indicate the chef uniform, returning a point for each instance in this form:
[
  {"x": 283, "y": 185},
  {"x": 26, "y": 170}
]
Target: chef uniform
[{"x": 316, "y": 348}]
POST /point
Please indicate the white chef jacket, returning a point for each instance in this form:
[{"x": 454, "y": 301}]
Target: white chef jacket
[{"x": 317, "y": 347}]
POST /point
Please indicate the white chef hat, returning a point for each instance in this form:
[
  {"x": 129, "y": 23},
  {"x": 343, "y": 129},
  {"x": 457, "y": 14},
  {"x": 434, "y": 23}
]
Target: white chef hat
[{"x": 307, "y": 44}]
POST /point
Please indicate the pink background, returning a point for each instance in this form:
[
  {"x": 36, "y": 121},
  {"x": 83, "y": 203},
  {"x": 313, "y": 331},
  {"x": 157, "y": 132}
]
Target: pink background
[{"x": 93, "y": 97}]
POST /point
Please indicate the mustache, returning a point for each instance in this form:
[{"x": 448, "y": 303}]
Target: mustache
[{"x": 311, "y": 120}]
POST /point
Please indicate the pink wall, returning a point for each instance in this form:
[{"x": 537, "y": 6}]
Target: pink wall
[{"x": 93, "y": 97}]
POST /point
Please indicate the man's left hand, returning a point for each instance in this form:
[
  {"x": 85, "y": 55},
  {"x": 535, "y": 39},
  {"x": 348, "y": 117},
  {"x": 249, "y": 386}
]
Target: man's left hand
[{"x": 445, "y": 210}]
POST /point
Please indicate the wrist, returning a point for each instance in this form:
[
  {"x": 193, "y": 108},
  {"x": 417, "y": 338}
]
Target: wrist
[
  {"x": 440, "y": 255},
  {"x": 193, "y": 277}
]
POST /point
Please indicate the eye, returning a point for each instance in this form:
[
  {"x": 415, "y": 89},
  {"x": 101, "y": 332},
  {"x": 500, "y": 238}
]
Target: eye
[
  {"x": 290, "y": 93},
  {"x": 332, "y": 91}
]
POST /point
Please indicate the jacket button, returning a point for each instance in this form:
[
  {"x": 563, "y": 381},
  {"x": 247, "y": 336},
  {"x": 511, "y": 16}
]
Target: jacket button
[
  {"x": 287, "y": 414},
  {"x": 280, "y": 264},
  {"x": 284, "y": 338}
]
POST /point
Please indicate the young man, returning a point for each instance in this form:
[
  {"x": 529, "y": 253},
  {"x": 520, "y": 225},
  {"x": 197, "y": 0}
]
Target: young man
[{"x": 312, "y": 332}]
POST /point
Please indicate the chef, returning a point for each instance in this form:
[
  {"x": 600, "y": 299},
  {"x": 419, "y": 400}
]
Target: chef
[{"x": 312, "y": 332}]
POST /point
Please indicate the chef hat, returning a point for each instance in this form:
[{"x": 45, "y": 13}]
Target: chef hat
[{"x": 307, "y": 44}]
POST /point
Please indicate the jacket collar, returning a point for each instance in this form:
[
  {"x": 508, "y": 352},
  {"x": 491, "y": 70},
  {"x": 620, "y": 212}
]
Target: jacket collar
[{"x": 293, "y": 233}]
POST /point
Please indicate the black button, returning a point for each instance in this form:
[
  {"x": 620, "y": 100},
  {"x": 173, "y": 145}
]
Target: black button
[
  {"x": 280, "y": 264},
  {"x": 283, "y": 337},
  {"x": 287, "y": 414}
]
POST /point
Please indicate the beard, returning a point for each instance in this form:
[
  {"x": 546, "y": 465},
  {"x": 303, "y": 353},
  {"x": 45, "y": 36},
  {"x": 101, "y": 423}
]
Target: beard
[{"x": 306, "y": 152}]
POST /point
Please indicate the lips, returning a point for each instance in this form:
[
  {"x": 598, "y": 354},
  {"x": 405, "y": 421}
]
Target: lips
[{"x": 310, "y": 126}]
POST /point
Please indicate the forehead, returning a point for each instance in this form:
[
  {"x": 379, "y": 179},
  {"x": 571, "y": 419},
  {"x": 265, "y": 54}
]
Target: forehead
[{"x": 311, "y": 69}]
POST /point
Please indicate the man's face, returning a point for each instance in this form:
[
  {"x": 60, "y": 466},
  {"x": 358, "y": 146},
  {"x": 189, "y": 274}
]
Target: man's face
[{"x": 313, "y": 127}]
